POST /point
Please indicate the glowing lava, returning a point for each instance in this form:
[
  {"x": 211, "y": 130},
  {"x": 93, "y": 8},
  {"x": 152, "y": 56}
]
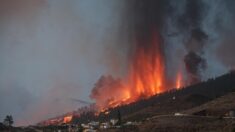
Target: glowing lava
[
  {"x": 147, "y": 72},
  {"x": 146, "y": 77},
  {"x": 179, "y": 80},
  {"x": 67, "y": 119}
]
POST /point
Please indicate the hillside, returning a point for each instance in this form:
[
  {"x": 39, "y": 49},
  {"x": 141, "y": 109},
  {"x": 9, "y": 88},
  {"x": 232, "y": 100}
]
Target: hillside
[
  {"x": 169, "y": 106},
  {"x": 218, "y": 107},
  {"x": 215, "y": 119},
  {"x": 169, "y": 102},
  {"x": 203, "y": 106}
]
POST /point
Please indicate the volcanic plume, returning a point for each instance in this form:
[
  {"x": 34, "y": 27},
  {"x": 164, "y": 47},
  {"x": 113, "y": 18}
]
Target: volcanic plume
[
  {"x": 193, "y": 64},
  {"x": 146, "y": 74},
  {"x": 146, "y": 77},
  {"x": 167, "y": 43}
]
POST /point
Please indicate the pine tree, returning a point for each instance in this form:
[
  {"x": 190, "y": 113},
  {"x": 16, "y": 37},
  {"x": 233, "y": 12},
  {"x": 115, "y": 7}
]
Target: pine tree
[
  {"x": 119, "y": 118},
  {"x": 8, "y": 120}
]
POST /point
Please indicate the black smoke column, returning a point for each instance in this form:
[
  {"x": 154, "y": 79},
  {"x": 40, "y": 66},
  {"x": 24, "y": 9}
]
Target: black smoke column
[{"x": 194, "y": 63}]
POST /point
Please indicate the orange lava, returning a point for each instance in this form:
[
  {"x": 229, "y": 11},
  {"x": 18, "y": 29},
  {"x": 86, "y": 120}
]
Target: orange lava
[
  {"x": 67, "y": 119},
  {"x": 147, "y": 72},
  {"x": 179, "y": 80},
  {"x": 146, "y": 75}
]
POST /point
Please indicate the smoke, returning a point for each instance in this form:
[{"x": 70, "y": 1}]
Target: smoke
[
  {"x": 190, "y": 38},
  {"x": 106, "y": 85},
  {"x": 193, "y": 64},
  {"x": 81, "y": 101},
  {"x": 193, "y": 34},
  {"x": 52, "y": 51},
  {"x": 225, "y": 32},
  {"x": 180, "y": 27}
]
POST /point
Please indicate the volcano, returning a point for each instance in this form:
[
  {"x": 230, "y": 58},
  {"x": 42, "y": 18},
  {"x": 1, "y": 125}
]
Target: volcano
[{"x": 146, "y": 77}]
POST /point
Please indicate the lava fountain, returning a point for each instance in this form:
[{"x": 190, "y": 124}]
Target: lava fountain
[
  {"x": 148, "y": 67},
  {"x": 147, "y": 70},
  {"x": 146, "y": 77}
]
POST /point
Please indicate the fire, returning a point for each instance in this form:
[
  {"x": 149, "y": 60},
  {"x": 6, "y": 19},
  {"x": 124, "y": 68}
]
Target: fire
[
  {"x": 179, "y": 80},
  {"x": 67, "y": 119},
  {"x": 147, "y": 72},
  {"x": 146, "y": 77}
]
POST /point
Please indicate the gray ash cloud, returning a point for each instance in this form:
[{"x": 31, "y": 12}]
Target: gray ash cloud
[
  {"x": 188, "y": 29},
  {"x": 149, "y": 16},
  {"x": 194, "y": 63}
]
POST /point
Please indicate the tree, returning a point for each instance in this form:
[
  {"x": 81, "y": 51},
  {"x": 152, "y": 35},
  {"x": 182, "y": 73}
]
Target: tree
[
  {"x": 8, "y": 121},
  {"x": 119, "y": 118}
]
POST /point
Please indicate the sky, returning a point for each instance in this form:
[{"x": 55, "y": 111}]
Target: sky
[{"x": 52, "y": 52}]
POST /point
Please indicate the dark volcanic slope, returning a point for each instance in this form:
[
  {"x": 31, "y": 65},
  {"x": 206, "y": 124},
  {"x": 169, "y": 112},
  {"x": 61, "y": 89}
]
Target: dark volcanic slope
[
  {"x": 217, "y": 107},
  {"x": 169, "y": 106},
  {"x": 178, "y": 100},
  {"x": 186, "y": 124},
  {"x": 214, "y": 121},
  {"x": 172, "y": 101},
  {"x": 191, "y": 123}
]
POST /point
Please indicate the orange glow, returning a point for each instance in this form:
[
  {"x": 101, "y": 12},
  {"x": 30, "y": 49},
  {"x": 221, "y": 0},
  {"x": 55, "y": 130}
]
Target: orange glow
[
  {"x": 179, "y": 80},
  {"x": 106, "y": 112},
  {"x": 146, "y": 76},
  {"x": 67, "y": 119}
]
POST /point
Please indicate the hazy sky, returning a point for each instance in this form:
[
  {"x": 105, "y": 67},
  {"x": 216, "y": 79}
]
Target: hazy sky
[{"x": 52, "y": 51}]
